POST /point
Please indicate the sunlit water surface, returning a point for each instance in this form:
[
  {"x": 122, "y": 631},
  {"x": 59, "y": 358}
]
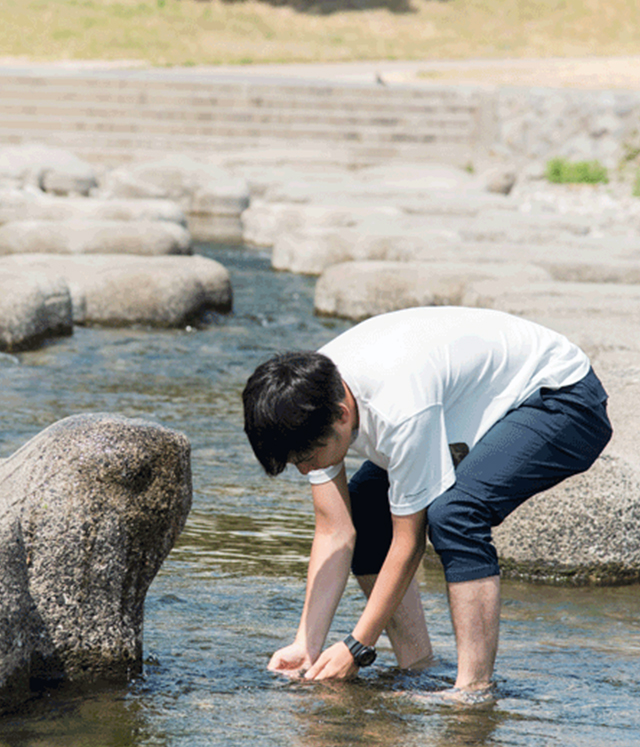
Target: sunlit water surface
[{"x": 230, "y": 593}]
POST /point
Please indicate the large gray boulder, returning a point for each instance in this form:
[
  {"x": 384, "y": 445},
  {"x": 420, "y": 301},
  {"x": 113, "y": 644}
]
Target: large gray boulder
[
  {"x": 414, "y": 238},
  {"x": 146, "y": 237},
  {"x": 89, "y": 509},
  {"x": 215, "y": 212},
  {"x": 19, "y": 205},
  {"x": 33, "y": 307},
  {"x": 51, "y": 169},
  {"x": 309, "y": 246},
  {"x": 358, "y": 290},
  {"x": 120, "y": 290}
]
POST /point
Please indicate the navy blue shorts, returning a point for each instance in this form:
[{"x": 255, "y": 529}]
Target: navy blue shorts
[{"x": 554, "y": 434}]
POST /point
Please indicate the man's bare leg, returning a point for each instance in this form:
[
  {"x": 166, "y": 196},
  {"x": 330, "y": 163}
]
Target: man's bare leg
[
  {"x": 475, "y": 613},
  {"x": 407, "y": 629}
]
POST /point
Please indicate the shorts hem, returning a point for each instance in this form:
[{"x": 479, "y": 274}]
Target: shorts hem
[{"x": 473, "y": 574}]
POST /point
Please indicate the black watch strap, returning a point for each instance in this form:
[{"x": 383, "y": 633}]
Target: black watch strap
[{"x": 363, "y": 655}]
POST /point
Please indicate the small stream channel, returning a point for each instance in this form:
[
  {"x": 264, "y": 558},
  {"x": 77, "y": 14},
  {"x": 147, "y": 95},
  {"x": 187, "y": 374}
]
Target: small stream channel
[{"x": 231, "y": 591}]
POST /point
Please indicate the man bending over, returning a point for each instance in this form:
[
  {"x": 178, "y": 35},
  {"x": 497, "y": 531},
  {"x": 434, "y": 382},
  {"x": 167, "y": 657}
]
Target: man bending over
[{"x": 399, "y": 389}]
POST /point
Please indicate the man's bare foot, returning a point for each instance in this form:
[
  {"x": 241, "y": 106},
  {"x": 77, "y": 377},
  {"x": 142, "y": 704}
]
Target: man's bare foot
[{"x": 456, "y": 696}]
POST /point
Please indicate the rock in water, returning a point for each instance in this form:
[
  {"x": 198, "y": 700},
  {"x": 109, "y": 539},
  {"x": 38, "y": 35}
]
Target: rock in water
[
  {"x": 120, "y": 290},
  {"x": 89, "y": 509},
  {"x": 33, "y": 307},
  {"x": 582, "y": 532}
]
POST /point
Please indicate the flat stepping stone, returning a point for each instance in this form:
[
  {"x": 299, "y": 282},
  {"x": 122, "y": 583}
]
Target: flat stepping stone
[
  {"x": 377, "y": 236},
  {"x": 358, "y": 290},
  {"x": 499, "y": 226},
  {"x": 145, "y": 237},
  {"x": 120, "y": 290},
  {"x": 212, "y": 197},
  {"x": 18, "y": 205},
  {"x": 588, "y": 301},
  {"x": 263, "y": 222}
]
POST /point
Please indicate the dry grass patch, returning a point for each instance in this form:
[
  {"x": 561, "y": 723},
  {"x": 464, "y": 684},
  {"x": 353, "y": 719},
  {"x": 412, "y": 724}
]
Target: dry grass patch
[{"x": 184, "y": 32}]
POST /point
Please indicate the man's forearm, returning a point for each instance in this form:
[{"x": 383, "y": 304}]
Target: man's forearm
[
  {"x": 329, "y": 562},
  {"x": 326, "y": 579}
]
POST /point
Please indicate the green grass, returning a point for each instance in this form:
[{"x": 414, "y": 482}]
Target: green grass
[
  {"x": 562, "y": 171},
  {"x": 177, "y": 32}
]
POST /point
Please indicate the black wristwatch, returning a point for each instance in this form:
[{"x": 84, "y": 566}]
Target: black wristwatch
[{"x": 363, "y": 655}]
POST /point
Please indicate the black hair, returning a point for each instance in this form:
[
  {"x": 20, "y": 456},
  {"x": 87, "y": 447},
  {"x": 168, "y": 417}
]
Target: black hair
[{"x": 290, "y": 405}]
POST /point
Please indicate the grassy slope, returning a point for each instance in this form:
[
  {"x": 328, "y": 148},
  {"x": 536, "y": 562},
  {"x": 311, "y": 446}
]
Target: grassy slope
[{"x": 185, "y": 32}]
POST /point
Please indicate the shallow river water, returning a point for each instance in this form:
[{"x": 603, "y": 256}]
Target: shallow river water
[{"x": 230, "y": 593}]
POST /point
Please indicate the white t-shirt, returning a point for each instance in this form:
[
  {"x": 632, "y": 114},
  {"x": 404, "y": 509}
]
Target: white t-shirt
[{"x": 427, "y": 377}]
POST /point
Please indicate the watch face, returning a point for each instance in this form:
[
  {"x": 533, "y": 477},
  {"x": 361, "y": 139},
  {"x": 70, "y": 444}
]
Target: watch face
[{"x": 366, "y": 657}]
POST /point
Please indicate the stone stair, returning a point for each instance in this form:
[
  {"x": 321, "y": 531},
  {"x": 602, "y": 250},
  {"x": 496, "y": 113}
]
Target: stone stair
[{"x": 120, "y": 117}]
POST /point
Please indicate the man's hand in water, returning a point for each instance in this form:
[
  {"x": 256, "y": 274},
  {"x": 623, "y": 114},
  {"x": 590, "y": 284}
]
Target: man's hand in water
[
  {"x": 335, "y": 663},
  {"x": 291, "y": 660}
]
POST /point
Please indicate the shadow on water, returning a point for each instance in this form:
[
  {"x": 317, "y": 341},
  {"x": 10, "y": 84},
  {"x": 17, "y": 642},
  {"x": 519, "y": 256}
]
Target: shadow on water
[
  {"x": 230, "y": 593},
  {"x": 63, "y": 718}
]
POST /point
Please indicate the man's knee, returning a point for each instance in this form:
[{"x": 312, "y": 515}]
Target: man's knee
[
  {"x": 460, "y": 532},
  {"x": 457, "y": 519}
]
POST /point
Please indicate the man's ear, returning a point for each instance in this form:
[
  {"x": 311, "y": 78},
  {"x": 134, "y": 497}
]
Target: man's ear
[{"x": 345, "y": 413}]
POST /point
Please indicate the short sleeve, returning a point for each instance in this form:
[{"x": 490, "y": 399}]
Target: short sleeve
[
  {"x": 420, "y": 464},
  {"x": 318, "y": 476}
]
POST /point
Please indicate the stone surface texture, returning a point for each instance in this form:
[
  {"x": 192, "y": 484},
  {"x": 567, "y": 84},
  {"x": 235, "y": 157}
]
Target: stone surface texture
[
  {"x": 584, "y": 531},
  {"x": 20, "y": 630},
  {"x": 89, "y": 509}
]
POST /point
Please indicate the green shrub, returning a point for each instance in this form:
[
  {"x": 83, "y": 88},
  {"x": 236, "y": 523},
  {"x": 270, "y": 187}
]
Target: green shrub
[
  {"x": 561, "y": 171},
  {"x": 636, "y": 185}
]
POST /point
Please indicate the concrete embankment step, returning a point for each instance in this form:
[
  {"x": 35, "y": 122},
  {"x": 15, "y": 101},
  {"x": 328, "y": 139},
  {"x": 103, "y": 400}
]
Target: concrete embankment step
[{"x": 107, "y": 117}]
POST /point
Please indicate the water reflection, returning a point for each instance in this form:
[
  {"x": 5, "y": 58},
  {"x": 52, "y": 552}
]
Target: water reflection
[{"x": 243, "y": 545}]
